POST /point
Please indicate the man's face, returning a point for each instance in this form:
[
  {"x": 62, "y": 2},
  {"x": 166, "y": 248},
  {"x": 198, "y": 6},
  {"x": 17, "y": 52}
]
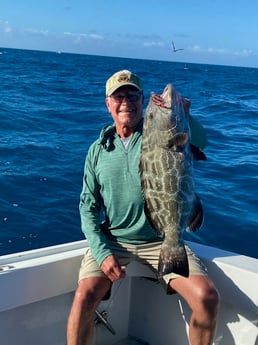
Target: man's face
[{"x": 125, "y": 105}]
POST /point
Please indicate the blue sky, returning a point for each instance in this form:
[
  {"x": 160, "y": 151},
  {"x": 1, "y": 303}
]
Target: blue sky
[{"x": 210, "y": 31}]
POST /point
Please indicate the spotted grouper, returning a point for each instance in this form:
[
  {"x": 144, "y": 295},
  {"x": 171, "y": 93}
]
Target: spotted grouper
[{"x": 166, "y": 170}]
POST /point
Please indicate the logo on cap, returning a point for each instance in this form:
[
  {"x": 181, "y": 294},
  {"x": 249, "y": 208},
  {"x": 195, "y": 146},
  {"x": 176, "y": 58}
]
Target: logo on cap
[{"x": 123, "y": 78}]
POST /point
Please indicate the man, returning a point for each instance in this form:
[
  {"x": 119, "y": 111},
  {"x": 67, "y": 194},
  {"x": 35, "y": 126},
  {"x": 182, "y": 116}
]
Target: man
[{"x": 111, "y": 186}]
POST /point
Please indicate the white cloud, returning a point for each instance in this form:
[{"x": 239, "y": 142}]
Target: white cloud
[
  {"x": 95, "y": 36},
  {"x": 7, "y": 27},
  {"x": 79, "y": 35},
  {"x": 37, "y": 32},
  {"x": 211, "y": 50},
  {"x": 196, "y": 47},
  {"x": 244, "y": 52},
  {"x": 153, "y": 44},
  {"x": 216, "y": 50}
]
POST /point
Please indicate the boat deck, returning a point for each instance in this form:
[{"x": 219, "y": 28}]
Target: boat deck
[{"x": 132, "y": 341}]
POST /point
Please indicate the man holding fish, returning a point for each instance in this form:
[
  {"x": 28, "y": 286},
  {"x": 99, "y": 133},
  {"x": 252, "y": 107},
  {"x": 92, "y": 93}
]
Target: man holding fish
[{"x": 137, "y": 200}]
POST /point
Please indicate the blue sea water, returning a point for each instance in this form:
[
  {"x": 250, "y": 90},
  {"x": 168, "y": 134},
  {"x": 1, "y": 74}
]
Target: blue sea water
[{"x": 52, "y": 107}]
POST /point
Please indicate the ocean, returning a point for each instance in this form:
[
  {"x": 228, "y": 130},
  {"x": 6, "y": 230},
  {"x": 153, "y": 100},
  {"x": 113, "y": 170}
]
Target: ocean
[{"x": 52, "y": 106}]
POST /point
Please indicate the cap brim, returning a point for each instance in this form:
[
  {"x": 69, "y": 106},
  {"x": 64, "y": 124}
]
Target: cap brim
[{"x": 124, "y": 84}]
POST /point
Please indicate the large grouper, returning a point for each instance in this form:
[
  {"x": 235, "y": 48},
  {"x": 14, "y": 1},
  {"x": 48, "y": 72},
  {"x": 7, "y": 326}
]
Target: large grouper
[{"x": 166, "y": 170}]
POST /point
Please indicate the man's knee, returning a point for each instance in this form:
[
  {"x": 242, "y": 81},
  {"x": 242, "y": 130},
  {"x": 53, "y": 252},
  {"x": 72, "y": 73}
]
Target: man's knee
[
  {"x": 213, "y": 298},
  {"x": 209, "y": 298},
  {"x": 90, "y": 291}
]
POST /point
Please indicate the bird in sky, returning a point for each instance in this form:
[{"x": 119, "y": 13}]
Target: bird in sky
[{"x": 174, "y": 48}]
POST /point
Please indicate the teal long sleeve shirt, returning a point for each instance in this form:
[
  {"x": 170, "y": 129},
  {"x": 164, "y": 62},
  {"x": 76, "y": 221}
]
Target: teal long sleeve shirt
[{"x": 111, "y": 185}]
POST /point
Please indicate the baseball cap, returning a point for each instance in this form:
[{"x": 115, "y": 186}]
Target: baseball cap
[{"x": 122, "y": 78}]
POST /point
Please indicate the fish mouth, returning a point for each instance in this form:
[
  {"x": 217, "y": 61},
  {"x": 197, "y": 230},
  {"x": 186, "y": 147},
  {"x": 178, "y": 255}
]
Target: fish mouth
[{"x": 163, "y": 100}]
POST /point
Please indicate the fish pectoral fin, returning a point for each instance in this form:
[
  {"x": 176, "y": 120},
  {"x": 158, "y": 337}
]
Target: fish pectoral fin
[
  {"x": 180, "y": 139},
  {"x": 196, "y": 217},
  {"x": 173, "y": 260},
  {"x": 198, "y": 154}
]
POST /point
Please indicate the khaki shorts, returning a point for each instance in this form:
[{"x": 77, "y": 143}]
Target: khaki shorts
[{"x": 147, "y": 254}]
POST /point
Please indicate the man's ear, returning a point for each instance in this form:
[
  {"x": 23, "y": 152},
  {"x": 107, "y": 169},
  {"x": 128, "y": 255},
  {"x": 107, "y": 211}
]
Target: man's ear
[{"x": 107, "y": 103}]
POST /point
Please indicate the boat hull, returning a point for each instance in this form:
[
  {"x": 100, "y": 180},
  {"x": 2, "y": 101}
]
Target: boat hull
[{"x": 37, "y": 289}]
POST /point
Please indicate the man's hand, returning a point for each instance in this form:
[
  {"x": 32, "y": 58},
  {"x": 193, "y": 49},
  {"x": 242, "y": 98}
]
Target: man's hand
[{"x": 112, "y": 269}]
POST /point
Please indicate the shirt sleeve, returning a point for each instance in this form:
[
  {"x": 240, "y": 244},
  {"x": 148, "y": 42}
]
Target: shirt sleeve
[
  {"x": 198, "y": 134},
  {"x": 90, "y": 208}
]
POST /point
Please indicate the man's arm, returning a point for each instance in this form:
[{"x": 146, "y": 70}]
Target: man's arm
[{"x": 89, "y": 207}]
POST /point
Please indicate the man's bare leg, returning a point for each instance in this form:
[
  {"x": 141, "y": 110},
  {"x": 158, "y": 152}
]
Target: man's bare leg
[
  {"x": 88, "y": 295},
  {"x": 203, "y": 299}
]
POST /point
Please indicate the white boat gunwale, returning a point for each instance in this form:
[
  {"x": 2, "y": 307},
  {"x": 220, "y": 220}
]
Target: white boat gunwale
[{"x": 49, "y": 274}]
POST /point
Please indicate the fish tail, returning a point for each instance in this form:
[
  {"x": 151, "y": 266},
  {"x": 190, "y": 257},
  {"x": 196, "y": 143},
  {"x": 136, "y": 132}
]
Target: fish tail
[{"x": 173, "y": 260}]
